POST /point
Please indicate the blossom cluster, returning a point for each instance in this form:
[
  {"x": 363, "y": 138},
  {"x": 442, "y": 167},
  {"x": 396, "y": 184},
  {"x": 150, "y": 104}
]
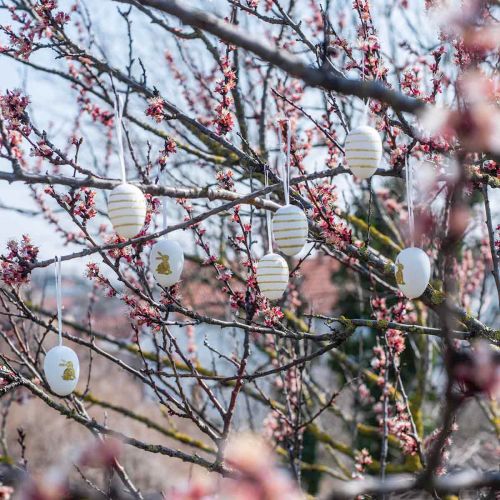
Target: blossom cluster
[
  {"x": 225, "y": 179},
  {"x": 325, "y": 214},
  {"x": 13, "y": 106},
  {"x": 224, "y": 121},
  {"x": 15, "y": 266},
  {"x": 143, "y": 313},
  {"x": 80, "y": 202},
  {"x": 156, "y": 108},
  {"x": 93, "y": 273},
  {"x": 32, "y": 29},
  {"x": 169, "y": 148}
]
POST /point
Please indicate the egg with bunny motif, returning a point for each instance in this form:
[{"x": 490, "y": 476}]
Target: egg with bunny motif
[
  {"x": 62, "y": 370},
  {"x": 413, "y": 272}
]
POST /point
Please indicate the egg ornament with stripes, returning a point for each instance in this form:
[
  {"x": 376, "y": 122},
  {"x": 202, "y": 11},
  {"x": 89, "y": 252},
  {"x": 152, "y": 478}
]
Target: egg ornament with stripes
[
  {"x": 290, "y": 229},
  {"x": 127, "y": 210},
  {"x": 363, "y": 151},
  {"x": 272, "y": 276},
  {"x": 413, "y": 272}
]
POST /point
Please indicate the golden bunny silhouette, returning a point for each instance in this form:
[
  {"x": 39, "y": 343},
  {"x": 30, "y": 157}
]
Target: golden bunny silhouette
[
  {"x": 69, "y": 370},
  {"x": 400, "y": 280},
  {"x": 164, "y": 266}
]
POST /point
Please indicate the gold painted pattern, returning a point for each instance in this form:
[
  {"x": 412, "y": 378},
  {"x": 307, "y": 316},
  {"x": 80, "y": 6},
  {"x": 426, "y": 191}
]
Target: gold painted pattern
[
  {"x": 287, "y": 238},
  {"x": 164, "y": 266},
  {"x": 289, "y": 230},
  {"x": 113, "y": 199},
  {"x": 360, "y": 138},
  {"x": 128, "y": 207},
  {"x": 125, "y": 216},
  {"x": 361, "y": 150},
  {"x": 69, "y": 370},
  {"x": 126, "y": 225},
  {"x": 362, "y": 135},
  {"x": 400, "y": 280},
  {"x": 291, "y": 216},
  {"x": 291, "y": 246}
]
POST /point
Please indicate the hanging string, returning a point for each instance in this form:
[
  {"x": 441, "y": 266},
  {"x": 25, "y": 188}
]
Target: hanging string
[
  {"x": 268, "y": 216},
  {"x": 162, "y": 176},
  {"x": 57, "y": 272},
  {"x": 288, "y": 160},
  {"x": 370, "y": 210},
  {"x": 164, "y": 212},
  {"x": 364, "y": 122},
  {"x": 409, "y": 199},
  {"x": 367, "y": 103},
  {"x": 118, "y": 125},
  {"x": 285, "y": 167}
]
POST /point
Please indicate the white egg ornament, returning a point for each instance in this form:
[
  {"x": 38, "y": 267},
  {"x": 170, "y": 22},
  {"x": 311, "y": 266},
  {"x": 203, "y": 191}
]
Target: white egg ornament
[
  {"x": 62, "y": 369},
  {"x": 290, "y": 229},
  {"x": 413, "y": 272},
  {"x": 127, "y": 210},
  {"x": 272, "y": 275},
  {"x": 363, "y": 151},
  {"x": 167, "y": 262}
]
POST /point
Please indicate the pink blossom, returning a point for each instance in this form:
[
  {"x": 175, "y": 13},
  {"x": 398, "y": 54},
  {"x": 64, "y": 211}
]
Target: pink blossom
[
  {"x": 15, "y": 265},
  {"x": 156, "y": 108}
]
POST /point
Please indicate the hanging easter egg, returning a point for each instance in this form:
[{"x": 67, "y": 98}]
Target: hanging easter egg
[
  {"x": 127, "y": 210},
  {"x": 363, "y": 151},
  {"x": 413, "y": 272},
  {"x": 62, "y": 369},
  {"x": 272, "y": 275},
  {"x": 290, "y": 229},
  {"x": 167, "y": 261}
]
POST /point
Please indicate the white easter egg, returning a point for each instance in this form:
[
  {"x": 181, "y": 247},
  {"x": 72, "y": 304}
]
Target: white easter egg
[
  {"x": 272, "y": 275},
  {"x": 127, "y": 210},
  {"x": 363, "y": 151},
  {"x": 413, "y": 272},
  {"x": 290, "y": 229},
  {"x": 167, "y": 261},
  {"x": 62, "y": 369}
]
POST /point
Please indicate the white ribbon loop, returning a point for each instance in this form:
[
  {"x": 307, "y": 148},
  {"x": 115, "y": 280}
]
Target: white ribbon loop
[
  {"x": 164, "y": 213},
  {"x": 288, "y": 160},
  {"x": 268, "y": 216},
  {"x": 285, "y": 168},
  {"x": 57, "y": 272},
  {"x": 119, "y": 136},
  {"x": 409, "y": 199}
]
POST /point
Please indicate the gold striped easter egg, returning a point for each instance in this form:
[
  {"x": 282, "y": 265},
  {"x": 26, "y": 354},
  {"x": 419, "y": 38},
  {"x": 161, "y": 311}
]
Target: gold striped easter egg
[
  {"x": 127, "y": 210},
  {"x": 290, "y": 229},
  {"x": 363, "y": 151},
  {"x": 272, "y": 275}
]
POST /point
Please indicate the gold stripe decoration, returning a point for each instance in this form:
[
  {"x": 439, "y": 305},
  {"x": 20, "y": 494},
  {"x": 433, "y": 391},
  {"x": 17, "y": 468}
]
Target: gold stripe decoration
[
  {"x": 127, "y": 210},
  {"x": 290, "y": 229},
  {"x": 272, "y": 284},
  {"x": 363, "y": 151}
]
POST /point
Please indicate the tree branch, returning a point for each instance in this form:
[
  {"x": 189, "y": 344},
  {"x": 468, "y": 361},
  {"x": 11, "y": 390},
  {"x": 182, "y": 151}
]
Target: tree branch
[{"x": 287, "y": 62}]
